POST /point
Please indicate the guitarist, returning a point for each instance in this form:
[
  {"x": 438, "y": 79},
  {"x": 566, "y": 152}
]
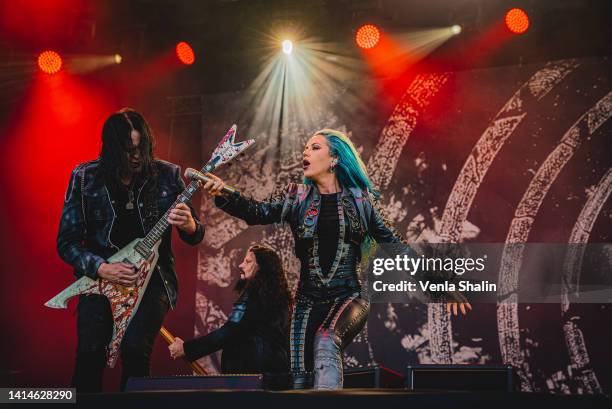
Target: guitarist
[{"x": 109, "y": 202}]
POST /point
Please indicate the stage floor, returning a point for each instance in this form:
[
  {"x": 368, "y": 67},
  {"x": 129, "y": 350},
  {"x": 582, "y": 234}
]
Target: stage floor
[{"x": 345, "y": 399}]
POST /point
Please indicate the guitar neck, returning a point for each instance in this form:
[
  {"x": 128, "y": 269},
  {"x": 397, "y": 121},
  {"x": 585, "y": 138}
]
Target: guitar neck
[{"x": 156, "y": 233}]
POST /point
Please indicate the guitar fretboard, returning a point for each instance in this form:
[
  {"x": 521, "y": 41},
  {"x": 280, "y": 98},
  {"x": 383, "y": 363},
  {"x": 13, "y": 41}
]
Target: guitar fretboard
[{"x": 146, "y": 245}]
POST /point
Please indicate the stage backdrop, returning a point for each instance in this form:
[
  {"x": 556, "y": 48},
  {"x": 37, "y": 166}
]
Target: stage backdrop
[{"x": 509, "y": 154}]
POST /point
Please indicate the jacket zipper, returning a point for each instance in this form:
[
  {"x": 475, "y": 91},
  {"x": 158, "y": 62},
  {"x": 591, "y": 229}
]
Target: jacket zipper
[{"x": 110, "y": 201}]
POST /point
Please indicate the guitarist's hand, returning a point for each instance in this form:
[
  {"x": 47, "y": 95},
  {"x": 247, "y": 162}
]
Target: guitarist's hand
[
  {"x": 181, "y": 217},
  {"x": 118, "y": 273},
  {"x": 176, "y": 348}
]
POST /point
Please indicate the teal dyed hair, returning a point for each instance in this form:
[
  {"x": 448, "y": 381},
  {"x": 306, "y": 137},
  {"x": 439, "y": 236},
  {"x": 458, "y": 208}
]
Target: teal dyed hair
[
  {"x": 351, "y": 172},
  {"x": 350, "y": 169}
]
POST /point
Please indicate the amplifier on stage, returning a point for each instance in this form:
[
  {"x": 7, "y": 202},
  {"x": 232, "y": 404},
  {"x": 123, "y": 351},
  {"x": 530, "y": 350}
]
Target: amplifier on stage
[
  {"x": 226, "y": 381},
  {"x": 376, "y": 376},
  {"x": 460, "y": 377}
]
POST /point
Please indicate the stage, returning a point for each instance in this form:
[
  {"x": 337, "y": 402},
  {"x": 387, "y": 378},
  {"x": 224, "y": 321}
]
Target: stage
[
  {"x": 354, "y": 398},
  {"x": 477, "y": 133}
]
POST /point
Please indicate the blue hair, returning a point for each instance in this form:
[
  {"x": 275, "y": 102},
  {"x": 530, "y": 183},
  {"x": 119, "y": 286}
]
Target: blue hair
[
  {"x": 350, "y": 169},
  {"x": 351, "y": 172}
]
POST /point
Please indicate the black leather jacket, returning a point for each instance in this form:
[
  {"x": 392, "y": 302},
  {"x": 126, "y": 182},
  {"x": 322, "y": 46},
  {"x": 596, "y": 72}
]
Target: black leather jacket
[
  {"x": 254, "y": 338},
  {"x": 299, "y": 205},
  {"x": 84, "y": 235}
]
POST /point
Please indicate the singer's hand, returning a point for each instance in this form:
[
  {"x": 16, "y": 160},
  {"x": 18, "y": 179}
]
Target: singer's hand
[
  {"x": 463, "y": 306},
  {"x": 458, "y": 301},
  {"x": 176, "y": 348},
  {"x": 215, "y": 185}
]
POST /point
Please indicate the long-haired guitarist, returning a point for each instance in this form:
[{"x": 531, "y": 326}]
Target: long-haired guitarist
[{"x": 109, "y": 202}]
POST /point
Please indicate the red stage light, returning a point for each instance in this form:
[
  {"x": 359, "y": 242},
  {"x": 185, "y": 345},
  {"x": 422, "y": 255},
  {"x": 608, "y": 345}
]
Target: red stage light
[
  {"x": 185, "y": 53},
  {"x": 517, "y": 21},
  {"x": 367, "y": 36},
  {"x": 49, "y": 62}
]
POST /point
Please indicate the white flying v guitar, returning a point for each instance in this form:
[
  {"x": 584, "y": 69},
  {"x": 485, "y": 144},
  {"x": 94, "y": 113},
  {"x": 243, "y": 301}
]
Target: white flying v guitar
[{"x": 143, "y": 254}]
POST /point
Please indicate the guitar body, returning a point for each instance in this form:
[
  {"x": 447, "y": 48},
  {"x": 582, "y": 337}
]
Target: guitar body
[{"x": 124, "y": 301}]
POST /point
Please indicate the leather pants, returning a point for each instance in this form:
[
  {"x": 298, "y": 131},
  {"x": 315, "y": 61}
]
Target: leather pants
[{"x": 319, "y": 333}]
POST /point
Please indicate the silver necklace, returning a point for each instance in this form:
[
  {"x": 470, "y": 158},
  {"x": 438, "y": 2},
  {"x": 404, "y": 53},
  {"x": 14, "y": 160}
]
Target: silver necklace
[{"x": 130, "y": 204}]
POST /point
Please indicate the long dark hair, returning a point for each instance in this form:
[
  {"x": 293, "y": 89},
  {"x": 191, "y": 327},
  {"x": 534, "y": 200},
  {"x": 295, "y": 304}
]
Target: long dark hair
[
  {"x": 117, "y": 142},
  {"x": 270, "y": 283}
]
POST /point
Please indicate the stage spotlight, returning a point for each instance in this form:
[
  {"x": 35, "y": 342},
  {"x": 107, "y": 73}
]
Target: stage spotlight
[
  {"x": 118, "y": 59},
  {"x": 185, "y": 53},
  {"x": 287, "y": 47},
  {"x": 456, "y": 29},
  {"x": 367, "y": 36},
  {"x": 49, "y": 62},
  {"x": 517, "y": 21}
]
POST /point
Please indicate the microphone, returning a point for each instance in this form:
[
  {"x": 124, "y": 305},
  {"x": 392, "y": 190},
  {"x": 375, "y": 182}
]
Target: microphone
[{"x": 197, "y": 175}]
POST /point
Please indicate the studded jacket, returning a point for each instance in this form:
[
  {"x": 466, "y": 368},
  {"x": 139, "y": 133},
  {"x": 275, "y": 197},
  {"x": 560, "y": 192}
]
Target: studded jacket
[
  {"x": 84, "y": 235},
  {"x": 299, "y": 206}
]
